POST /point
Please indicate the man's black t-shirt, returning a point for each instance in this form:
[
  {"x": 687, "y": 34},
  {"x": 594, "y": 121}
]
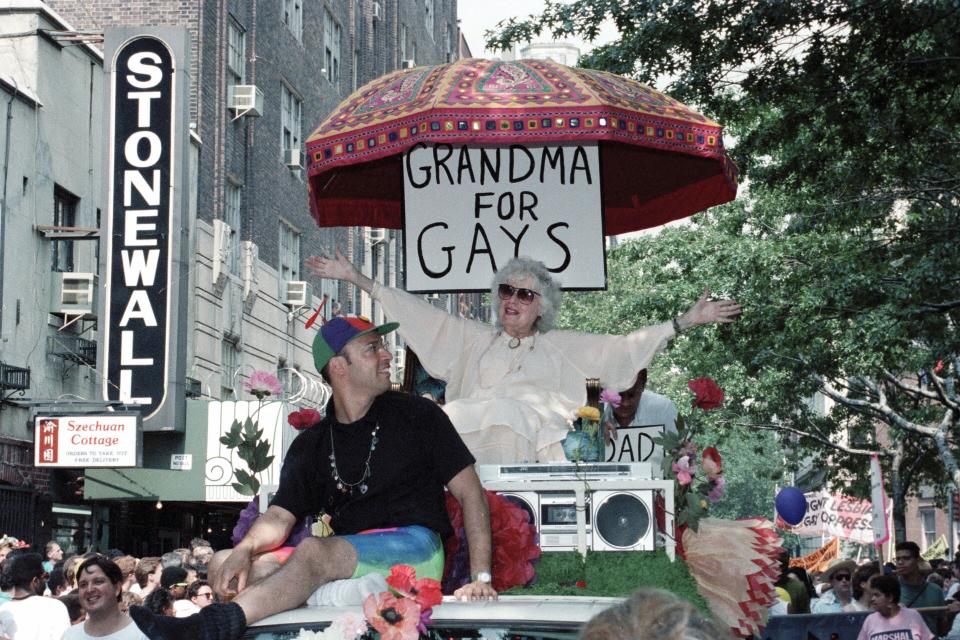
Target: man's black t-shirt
[{"x": 418, "y": 452}]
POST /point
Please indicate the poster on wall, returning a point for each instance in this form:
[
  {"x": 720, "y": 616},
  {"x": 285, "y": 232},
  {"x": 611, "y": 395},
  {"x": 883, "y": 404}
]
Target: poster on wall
[{"x": 469, "y": 210}]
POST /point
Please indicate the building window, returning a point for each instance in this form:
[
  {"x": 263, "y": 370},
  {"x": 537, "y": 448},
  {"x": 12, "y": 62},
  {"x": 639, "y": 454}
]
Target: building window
[
  {"x": 236, "y": 53},
  {"x": 928, "y": 518},
  {"x": 331, "y": 44},
  {"x": 229, "y": 357},
  {"x": 291, "y": 109},
  {"x": 289, "y": 253},
  {"x": 356, "y": 68},
  {"x": 231, "y": 216},
  {"x": 448, "y": 42},
  {"x": 64, "y": 215},
  {"x": 428, "y": 15},
  {"x": 293, "y": 17},
  {"x": 403, "y": 43}
]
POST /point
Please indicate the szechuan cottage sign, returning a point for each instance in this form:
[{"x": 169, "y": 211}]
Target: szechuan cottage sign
[
  {"x": 469, "y": 210},
  {"x": 143, "y": 344}
]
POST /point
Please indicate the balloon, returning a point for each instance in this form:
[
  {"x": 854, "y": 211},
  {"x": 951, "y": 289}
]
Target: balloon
[{"x": 791, "y": 505}]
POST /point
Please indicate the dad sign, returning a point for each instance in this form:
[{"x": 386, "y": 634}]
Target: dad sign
[
  {"x": 469, "y": 210},
  {"x": 143, "y": 342},
  {"x": 836, "y": 515}
]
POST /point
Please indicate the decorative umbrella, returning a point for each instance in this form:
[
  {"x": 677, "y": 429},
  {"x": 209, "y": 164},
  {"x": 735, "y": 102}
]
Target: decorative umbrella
[{"x": 659, "y": 159}]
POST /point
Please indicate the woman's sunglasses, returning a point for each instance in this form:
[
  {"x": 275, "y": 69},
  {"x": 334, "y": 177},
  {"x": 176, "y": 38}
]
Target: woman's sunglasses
[{"x": 525, "y": 296}]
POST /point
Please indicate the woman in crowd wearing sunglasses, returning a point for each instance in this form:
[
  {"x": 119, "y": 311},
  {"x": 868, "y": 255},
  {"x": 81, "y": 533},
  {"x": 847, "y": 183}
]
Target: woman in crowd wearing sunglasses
[{"x": 512, "y": 388}]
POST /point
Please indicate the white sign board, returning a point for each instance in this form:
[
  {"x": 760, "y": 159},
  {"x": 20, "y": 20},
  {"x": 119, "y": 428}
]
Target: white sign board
[
  {"x": 469, "y": 210},
  {"x": 181, "y": 461},
  {"x": 834, "y": 514},
  {"x": 103, "y": 440}
]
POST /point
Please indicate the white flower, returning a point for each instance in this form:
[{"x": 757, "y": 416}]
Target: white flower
[{"x": 347, "y": 627}]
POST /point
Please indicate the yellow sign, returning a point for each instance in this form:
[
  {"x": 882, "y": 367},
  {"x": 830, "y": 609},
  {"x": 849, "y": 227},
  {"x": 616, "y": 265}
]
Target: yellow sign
[{"x": 937, "y": 550}]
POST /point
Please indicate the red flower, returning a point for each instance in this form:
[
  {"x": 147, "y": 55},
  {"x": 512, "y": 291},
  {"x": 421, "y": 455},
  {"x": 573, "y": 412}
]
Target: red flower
[
  {"x": 712, "y": 464},
  {"x": 394, "y": 618},
  {"x": 303, "y": 419},
  {"x": 581, "y": 584},
  {"x": 426, "y": 591},
  {"x": 708, "y": 394}
]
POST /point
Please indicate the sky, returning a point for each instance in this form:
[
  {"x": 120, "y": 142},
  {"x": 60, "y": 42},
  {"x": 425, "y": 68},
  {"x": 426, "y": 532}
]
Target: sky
[{"x": 477, "y": 16}]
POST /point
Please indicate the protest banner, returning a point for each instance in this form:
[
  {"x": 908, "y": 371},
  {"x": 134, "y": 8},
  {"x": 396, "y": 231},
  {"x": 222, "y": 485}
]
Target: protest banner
[
  {"x": 836, "y": 515},
  {"x": 937, "y": 550},
  {"x": 818, "y": 560},
  {"x": 469, "y": 210}
]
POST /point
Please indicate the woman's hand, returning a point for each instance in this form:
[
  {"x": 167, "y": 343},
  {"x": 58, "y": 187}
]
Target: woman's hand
[
  {"x": 705, "y": 311},
  {"x": 336, "y": 268}
]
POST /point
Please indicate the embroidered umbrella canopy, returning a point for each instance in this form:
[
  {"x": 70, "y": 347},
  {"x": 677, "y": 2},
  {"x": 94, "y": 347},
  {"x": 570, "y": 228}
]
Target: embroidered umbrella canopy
[{"x": 660, "y": 160}]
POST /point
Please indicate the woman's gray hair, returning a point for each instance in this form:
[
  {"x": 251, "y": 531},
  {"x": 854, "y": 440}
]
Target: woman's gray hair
[
  {"x": 652, "y": 614},
  {"x": 547, "y": 287}
]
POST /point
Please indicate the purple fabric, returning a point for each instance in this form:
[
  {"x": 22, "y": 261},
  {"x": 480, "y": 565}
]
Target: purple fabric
[{"x": 252, "y": 511}]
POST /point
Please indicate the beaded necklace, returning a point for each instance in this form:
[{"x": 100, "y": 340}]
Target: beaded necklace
[{"x": 343, "y": 485}]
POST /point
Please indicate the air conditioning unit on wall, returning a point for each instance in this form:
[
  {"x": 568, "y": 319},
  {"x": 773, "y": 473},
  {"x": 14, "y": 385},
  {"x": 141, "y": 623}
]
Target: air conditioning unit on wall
[
  {"x": 293, "y": 158},
  {"x": 247, "y": 99},
  {"x": 377, "y": 11},
  {"x": 296, "y": 293},
  {"x": 376, "y": 235}
]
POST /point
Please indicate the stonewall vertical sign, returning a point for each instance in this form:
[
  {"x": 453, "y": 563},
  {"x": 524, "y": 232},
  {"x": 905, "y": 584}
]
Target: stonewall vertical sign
[
  {"x": 143, "y": 345},
  {"x": 469, "y": 210}
]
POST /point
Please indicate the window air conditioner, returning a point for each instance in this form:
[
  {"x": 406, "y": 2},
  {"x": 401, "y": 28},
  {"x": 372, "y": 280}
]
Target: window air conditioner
[
  {"x": 293, "y": 158},
  {"x": 377, "y": 11},
  {"x": 433, "y": 296},
  {"x": 245, "y": 98},
  {"x": 407, "y": 64},
  {"x": 73, "y": 293},
  {"x": 401, "y": 358},
  {"x": 376, "y": 235},
  {"x": 296, "y": 293}
]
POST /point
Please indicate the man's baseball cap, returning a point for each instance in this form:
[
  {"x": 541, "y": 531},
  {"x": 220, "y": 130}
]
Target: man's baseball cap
[
  {"x": 334, "y": 336},
  {"x": 173, "y": 577}
]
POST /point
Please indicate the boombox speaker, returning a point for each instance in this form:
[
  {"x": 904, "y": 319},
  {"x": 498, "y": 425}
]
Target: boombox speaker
[{"x": 622, "y": 521}]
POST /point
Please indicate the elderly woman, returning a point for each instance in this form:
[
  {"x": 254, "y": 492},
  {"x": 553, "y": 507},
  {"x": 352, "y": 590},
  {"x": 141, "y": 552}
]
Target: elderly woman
[{"x": 513, "y": 388}]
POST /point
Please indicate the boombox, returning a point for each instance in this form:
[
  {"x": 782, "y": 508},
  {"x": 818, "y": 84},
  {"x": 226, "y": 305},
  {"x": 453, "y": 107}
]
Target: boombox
[
  {"x": 598, "y": 506},
  {"x": 616, "y": 520}
]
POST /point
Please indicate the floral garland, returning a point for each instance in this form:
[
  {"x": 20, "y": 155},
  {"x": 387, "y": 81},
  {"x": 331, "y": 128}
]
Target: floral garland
[
  {"x": 694, "y": 491},
  {"x": 402, "y": 613}
]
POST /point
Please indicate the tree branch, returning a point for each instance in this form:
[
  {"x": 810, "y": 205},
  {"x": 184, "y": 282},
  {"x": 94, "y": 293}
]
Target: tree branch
[
  {"x": 881, "y": 409},
  {"x": 917, "y": 391},
  {"x": 816, "y": 437}
]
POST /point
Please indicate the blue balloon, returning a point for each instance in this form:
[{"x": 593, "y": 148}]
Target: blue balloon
[{"x": 791, "y": 505}]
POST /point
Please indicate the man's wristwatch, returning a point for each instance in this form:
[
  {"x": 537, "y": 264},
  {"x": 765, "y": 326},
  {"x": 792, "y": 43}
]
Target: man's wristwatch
[{"x": 481, "y": 576}]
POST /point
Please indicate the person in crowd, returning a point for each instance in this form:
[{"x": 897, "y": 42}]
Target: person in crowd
[
  {"x": 199, "y": 594},
  {"x": 383, "y": 491},
  {"x": 512, "y": 389},
  {"x": 891, "y": 620},
  {"x": 160, "y": 602},
  {"x": 74, "y": 608},
  {"x": 100, "y": 585},
  {"x": 936, "y": 579},
  {"x": 861, "y": 584},
  {"x": 174, "y": 580},
  {"x": 639, "y": 407},
  {"x": 954, "y": 578},
  {"x": 171, "y": 559},
  {"x": 200, "y": 555},
  {"x": 30, "y": 615},
  {"x": 839, "y": 575},
  {"x": 148, "y": 576},
  {"x": 57, "y": 582},
  {"x": 128, "y": 567},
  {"x": 52, "y": 554},
  {"x": 794, "y": 586},
  {"x": 129, "y": 599},
  {"x": 915, "y": 591},
  {"x": 70, "y": 567},
  {"x": 652, "y": 614}
]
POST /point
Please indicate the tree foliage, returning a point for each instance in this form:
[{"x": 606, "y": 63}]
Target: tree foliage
[{"x": 846, "y": 122}]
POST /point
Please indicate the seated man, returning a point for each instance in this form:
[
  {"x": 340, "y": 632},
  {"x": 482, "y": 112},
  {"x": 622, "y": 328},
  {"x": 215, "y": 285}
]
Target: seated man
[{"x": 378, "y": 461}]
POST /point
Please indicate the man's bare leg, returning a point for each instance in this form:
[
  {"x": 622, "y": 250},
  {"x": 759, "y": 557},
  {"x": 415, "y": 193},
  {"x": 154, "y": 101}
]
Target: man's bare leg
[{"x": 315, "y": 562}]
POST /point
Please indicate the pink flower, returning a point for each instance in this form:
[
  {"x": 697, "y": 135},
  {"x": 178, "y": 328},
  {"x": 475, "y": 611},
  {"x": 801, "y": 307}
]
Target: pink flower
[
  {"x": 303, "y": 419},
  {"x": 682, "y": 468},
  {"x": 262, "y": 384},
  {"x": 708, "y": 394},
  {"x": 394, "y": 618},
  {"x": 711, "y": 462},
  {"x": 610, "y": 397},
  {"x": 716, "y": 491}
]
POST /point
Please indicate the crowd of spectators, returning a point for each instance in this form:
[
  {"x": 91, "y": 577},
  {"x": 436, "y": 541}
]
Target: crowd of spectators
[{"x": 42, "y": 589}]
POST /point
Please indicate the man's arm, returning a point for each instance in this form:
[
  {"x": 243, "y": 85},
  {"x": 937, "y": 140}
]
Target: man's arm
[
  {"x": 465, "y": 487},
  {"x": 267, "y": 533}
]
